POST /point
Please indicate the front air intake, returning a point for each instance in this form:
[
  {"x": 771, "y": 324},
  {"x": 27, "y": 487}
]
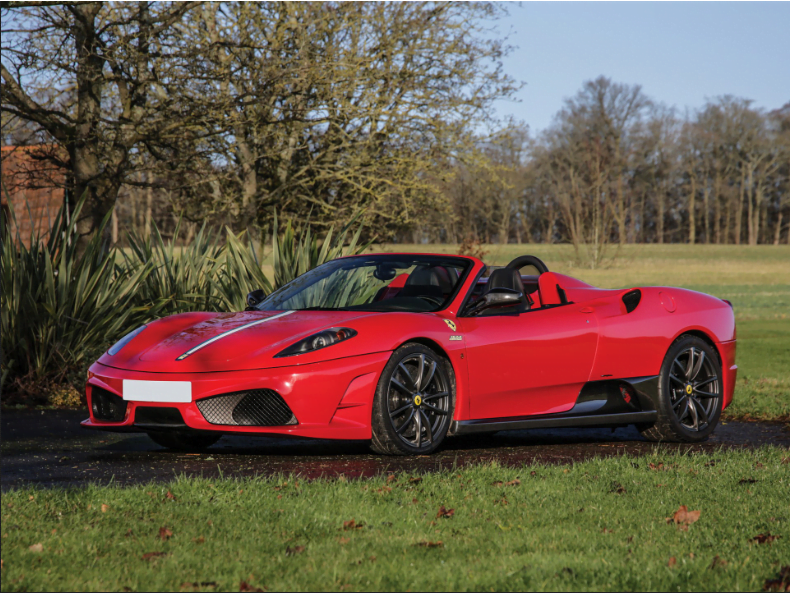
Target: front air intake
[
  {"x": 107, "y": 406},
  {"x": 260, "y": 408}
]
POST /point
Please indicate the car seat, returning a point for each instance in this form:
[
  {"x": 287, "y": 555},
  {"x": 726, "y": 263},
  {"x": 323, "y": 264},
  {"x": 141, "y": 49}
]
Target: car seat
[
  {"x": 427, "y": 281},
  {"x": 550, "y": 291},
  {"x": 506, "y": 278}
]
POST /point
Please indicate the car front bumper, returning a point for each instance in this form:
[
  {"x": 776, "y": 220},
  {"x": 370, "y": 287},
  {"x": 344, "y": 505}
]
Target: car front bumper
[{"x": 330, "y": 400}]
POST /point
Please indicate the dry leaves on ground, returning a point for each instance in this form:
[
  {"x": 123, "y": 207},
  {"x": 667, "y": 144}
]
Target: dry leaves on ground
[
  {"x": 683, "y": 518},
  {"x": 512, "y": 483},
  {"x": 245, "y": 587},
  {"x": 104, "y": 508},
  {"x": 294, "y": 550},
  {"x": 430, "y": 544},
  {"x": 672, "y": 562},
  {"x": 445, "y": 513},
  {"x": 165, "y": 533},
  {"x": 198, "y": 585},
  {"x": 415, "y": 479},
  {"x": 717, "y": 562},
  {"x": 36, "y": 548},
  {"x": 766, "y": 538},
  {"x": 352, "y": 525},
  {"x": 153, "y": 555},
  {"x": 779, "y": 584}
]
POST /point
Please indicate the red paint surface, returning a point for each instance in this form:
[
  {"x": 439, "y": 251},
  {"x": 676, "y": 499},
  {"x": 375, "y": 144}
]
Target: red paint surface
[{"x": 509, "y": 365}]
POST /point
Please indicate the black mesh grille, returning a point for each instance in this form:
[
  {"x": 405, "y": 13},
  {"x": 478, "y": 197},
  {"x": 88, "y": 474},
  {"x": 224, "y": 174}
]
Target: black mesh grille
[
  {"x": 107, "y": 406},
  {"x": 157, "y": 415},
  {"x": 262, "y": 408}
]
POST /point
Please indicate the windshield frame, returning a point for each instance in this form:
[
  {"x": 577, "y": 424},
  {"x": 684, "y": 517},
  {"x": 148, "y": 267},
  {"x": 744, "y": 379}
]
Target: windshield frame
[{"x": 467, "y": 265}]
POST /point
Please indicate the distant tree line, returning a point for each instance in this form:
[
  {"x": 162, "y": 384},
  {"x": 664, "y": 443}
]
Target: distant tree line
[
  {"x": 615, "y": 167},
  {"x": 230, "y": 112}
]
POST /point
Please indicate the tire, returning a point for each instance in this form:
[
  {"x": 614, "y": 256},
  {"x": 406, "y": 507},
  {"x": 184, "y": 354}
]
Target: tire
[
  {"x": 689, "y": 396},
  {"x": 183, "y": 441},
  {"x": 411, "y": 419}
]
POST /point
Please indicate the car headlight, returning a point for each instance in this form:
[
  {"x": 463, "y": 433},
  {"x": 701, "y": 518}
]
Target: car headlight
[
  {"x": 122, "y": 343},
  {"x": 318, "y": 341}
]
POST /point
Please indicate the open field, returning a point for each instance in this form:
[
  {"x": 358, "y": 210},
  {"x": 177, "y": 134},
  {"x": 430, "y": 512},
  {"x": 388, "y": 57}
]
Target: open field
[{"x": 596, "y": 525}]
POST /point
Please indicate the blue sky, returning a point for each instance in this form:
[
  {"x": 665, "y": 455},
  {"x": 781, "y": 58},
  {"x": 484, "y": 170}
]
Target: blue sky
[{"x": 680, "y": 52}]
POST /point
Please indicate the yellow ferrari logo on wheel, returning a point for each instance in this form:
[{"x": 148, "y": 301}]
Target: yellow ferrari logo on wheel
[
  {"x": 689, "y": 389},
  {"x": 450, "y": 325}
]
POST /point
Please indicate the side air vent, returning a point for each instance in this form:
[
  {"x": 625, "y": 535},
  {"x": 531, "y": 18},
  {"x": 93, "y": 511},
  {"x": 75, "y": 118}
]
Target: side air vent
[
  {"x": 107, "y": 406},
  {"x": 632, "y": 299},
  {"x": 260, "y": 408}
]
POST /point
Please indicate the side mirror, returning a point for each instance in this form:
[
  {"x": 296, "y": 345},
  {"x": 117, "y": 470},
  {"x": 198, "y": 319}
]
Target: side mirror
[
  {"x": 254, "y": 298},
  {"x": 496, "y": 297}
]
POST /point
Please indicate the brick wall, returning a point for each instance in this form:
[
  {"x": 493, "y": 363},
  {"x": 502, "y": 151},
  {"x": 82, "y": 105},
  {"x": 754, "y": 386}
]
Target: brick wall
[{"x": 32, "y": 187}]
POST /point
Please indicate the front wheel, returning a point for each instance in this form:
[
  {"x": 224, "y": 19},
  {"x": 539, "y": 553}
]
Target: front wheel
[
  {"x": 414, "y": 402},
  {"x": 689, "y": 393},
  {"x": 183, "y": 441}
]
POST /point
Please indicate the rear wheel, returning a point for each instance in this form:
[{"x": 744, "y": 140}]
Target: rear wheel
[
  {"x": 414, "y": 402},
  {"x": 183, "y": 441},
  {"x": 689, "y": 393}
]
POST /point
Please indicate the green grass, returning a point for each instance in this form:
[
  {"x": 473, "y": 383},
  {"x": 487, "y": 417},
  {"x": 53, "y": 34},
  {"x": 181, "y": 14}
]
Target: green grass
[
  {"x": 756, "y": 279},
  {"x": 597, "y": 525}
]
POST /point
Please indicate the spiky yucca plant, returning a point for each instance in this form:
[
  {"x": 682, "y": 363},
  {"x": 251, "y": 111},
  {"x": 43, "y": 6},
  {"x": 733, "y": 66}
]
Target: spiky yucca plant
[
  {"x": 294, "y": 254},
  {"x": 61, "y": 308}
]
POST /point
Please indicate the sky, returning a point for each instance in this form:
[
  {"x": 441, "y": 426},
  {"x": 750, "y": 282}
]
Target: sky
[{"x": 680, "y": 52}]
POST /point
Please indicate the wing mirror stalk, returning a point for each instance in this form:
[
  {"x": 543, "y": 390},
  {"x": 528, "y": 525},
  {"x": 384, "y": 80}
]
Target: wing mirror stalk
[
  {"x": 498, "y": 297},
  {"x": 254, "y": 299}
]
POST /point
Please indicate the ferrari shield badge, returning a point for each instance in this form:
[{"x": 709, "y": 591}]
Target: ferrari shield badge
[{"x": 450, "y": 325}]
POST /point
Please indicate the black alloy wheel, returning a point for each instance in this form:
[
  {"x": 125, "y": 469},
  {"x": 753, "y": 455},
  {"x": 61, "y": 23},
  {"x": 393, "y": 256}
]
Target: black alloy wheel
[
  {"x": 690, "y": 392},
  {"x": 414, "y": 402},
  {"x": 694, "y": 386}
]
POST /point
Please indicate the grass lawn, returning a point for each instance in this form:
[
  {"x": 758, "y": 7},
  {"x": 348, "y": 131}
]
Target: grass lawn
[{"x": 597, "y": 525}]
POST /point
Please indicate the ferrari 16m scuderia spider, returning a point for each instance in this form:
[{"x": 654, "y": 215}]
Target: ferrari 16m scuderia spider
[{"x": 405, "y": 350}]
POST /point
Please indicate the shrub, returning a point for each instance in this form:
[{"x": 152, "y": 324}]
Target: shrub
[{"x": 61, "y": 309}]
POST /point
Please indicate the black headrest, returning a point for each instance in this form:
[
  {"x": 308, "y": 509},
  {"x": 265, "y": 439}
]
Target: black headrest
[
  {"x": 436, "y": 276},
  {"x": 505, "y": 278}
]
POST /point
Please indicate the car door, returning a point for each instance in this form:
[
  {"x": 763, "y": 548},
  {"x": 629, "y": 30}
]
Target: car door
[{"x": 531, "y": 363}]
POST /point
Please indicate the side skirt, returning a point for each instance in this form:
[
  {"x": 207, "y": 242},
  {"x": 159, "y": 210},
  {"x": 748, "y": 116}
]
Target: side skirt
[
  {"x": 490, "y": 425},
  {"x": 604, "y": 403}
]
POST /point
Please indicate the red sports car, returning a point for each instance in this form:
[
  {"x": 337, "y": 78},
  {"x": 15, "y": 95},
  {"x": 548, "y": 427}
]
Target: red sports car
[{"x": 407, "y": 349}]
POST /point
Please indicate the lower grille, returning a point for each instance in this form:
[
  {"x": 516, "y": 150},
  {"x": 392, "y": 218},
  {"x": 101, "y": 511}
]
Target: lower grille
[
  {"x": 261, "y": 408},
  {"x": 107, "y": 406},
  {"x": 157, "y": 415}
]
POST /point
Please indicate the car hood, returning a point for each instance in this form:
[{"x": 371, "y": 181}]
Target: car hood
[{"x": 233, "y": 341}]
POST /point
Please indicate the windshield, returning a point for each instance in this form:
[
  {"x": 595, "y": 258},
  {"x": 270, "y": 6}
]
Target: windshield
[{"x": 374, "y": 283}]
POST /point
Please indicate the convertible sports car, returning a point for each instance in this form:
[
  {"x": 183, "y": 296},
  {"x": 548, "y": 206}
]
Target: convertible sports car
[{"x": 407, "y": 349}]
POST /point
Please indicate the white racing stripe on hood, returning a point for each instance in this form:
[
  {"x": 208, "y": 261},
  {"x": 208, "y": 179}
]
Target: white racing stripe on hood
[{"x": 229, "y": 332}]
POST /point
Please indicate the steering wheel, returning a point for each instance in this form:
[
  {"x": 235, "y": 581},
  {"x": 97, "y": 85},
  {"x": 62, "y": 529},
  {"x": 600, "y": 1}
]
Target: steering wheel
[
  {"x": 433, "y": 300},
  {"x": 521, "y": 261}
]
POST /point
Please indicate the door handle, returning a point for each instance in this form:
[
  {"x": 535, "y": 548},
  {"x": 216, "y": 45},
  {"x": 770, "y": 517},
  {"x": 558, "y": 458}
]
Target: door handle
[{"x": 587, "y": 310}]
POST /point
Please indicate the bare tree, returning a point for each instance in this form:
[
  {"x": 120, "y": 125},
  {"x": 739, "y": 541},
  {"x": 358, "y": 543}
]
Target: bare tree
[{"x": 95, "y": 78}]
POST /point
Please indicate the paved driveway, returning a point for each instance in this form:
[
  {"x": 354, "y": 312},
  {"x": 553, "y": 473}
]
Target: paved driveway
[{"x": 50, "y": 448}]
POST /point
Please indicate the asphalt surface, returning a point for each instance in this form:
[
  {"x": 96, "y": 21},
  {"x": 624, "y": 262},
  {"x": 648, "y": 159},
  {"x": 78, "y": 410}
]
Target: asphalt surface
[{"x": 49, "y": 448}]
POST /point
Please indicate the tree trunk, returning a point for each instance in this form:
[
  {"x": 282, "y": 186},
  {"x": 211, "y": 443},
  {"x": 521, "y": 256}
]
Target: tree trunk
[
  {"x": 149, "y": 202},
  {"x": 778, "y": 230},
  {"x": 692, "y": 211},
  {"x": 717, "y": 207},
  {"x": 739, "y": 209},
  {"x": 706, "y": 213}
]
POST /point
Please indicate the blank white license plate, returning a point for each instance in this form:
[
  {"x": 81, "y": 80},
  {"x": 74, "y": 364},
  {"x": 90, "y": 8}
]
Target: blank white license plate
[{"x": 150, "y": 391}]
